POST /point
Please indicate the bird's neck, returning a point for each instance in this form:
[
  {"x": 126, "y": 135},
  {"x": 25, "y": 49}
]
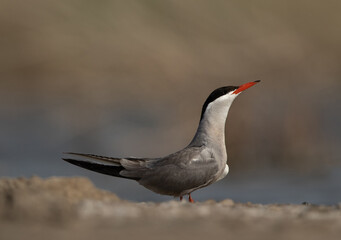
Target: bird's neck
[{"x": 211, "y": 129}]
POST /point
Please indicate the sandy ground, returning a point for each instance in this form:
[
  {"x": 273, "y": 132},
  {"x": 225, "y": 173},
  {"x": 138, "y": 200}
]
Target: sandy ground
[{"x": 72, "y": 208}]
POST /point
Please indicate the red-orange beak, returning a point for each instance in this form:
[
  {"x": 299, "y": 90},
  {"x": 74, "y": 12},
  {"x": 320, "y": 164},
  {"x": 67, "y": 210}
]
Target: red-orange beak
[{"x": 245, "y": 86}]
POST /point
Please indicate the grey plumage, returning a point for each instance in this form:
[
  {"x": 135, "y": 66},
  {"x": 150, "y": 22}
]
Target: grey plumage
[
  {"x": 201, "y": 163},
  {"x": 168, "y": 175}
]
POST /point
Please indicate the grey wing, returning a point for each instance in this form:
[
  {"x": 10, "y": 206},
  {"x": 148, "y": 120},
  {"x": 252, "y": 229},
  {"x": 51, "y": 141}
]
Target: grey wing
[
  {"x": 182, "y": 172},
  {"x": 131, "y": 168}
]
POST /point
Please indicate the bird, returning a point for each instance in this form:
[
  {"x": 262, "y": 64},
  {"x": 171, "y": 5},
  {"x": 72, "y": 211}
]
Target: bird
[{"x": 199, "y": 164}]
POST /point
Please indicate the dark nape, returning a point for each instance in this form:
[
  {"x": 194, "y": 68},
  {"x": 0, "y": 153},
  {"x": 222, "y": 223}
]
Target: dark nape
[{"x": 216, "y": 94}]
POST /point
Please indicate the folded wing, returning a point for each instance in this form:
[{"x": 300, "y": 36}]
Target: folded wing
[{"x": 118, "y": 167}]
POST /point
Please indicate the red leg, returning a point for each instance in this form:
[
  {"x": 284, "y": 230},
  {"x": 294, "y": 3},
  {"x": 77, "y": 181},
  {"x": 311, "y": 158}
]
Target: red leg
[
  {"x": 180, "y": 198},
  {"x": 190, "y": 199}
]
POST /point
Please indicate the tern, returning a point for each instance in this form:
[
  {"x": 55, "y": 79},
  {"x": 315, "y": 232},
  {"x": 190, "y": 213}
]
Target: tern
[{"x": 201, "y": 163}]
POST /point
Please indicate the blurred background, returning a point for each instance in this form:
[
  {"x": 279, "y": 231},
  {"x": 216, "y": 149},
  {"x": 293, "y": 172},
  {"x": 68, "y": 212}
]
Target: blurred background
[{"x": 128, "y": 78}]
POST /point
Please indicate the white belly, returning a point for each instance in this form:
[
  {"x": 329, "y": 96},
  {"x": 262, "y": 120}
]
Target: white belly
[{"x": 226, "y": 171}]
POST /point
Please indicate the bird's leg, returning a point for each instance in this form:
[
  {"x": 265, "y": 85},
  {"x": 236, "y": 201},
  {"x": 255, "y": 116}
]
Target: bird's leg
[
  {"x": 190, "y": 199},
  {"x": 180, "y": 198}
]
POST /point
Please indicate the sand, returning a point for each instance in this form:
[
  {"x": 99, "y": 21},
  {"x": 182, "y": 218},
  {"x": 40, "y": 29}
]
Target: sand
[{"x": 73, "y": 208}]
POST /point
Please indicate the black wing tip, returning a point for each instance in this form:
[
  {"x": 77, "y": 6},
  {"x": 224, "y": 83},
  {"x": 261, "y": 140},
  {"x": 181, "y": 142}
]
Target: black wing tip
[
  {"x": 75, "y": 162},
  {"x": 70, "y": 160},
  {"x": 107, "y": 170},
  {"x": 74, "y": 153},
  {"x": 257, "y": 81},
  {"x": 83, "y": 164}
]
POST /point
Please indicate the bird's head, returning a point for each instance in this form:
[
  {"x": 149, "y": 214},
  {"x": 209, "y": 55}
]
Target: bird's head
[{"x": 222, "y": 98}]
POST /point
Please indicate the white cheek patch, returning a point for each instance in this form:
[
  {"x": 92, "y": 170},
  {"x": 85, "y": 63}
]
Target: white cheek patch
[{"x": 221, "y": 103}]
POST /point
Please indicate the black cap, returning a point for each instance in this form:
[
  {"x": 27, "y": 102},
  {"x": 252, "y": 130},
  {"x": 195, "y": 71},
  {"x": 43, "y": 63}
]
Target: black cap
[{"x": 217, "y": 94}]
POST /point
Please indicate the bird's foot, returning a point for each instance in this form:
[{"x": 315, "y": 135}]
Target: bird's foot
[{"x": 190, "y": 199}]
